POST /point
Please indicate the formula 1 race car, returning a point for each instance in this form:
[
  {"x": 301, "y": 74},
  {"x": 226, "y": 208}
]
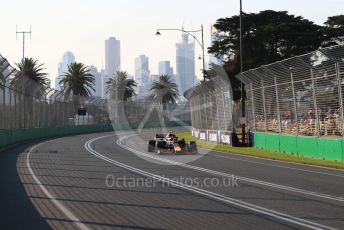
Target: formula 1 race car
[{"x": 169, "y": 144}]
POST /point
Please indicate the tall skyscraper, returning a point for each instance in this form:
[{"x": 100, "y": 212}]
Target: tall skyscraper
[
  {"x": 165, "y": 68},
  {"x": 112, "y": 56},
  {"x": 67, "y": 58},
  {"x": 142, "y": 74},
  {"x": 185, "y": 76},
  {"x": 98, "y": 83}
]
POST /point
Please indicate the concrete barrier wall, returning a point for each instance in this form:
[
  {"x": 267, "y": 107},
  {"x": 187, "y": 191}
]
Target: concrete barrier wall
[
  {"x": 13, "y": 136},
  {"x": 314, "y": 147}
]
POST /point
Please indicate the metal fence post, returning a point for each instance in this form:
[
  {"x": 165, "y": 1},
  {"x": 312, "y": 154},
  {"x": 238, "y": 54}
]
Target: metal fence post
[
  {"x": 317, "y": 122},
  {"x": 15, "y": 111},
  {"x": 294, "y": 101},
  {"x": 103, "y": 110},
  {"x": 217, "y": 111},
  {"x": 264, "y": 107},
  {"x": 199, "y": 108},
  {"x": 68, "y": 113},
  {"x": 224, "y": 110},
  {"x": 39, "y": 112},
  {"x": 34, "y": 112},
  {"x": 211, "y": 110},
  {"x": 63, "y": 113},
  {"x": 58, "y": 113},
  {"x": 278, "y": 106},
  {"x": 252, "y": 105},
  {"x": 3, "y": 105},
  {"x": 29, "y": 111},
  {"x": 44, "y": 113},
  {"x": 339, "y": 83},
  {"x": 51, "y": 107},
  {"x": 206, "y": 111},
  {"x": 203, "y": 111},
  {"x": 73, "y": 111},
  {"x": 10, "y": 110},
  {"x": 24, "y": 110}
]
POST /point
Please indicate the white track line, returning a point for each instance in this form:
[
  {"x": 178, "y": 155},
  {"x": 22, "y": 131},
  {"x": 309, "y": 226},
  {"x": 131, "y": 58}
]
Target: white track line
[
  {"x": 273, "y": 165},
  {"x": 56, "y": 202},
  {"x": 254, "y": 181},
  {"x": 219, "y": 197}
]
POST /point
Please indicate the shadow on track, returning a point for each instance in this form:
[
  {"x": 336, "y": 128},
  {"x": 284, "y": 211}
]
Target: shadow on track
[{"x": 17, "y": 211}]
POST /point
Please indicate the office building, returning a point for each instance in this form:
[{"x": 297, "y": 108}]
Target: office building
[
  {"x": 142, "y": 75},
  {"x": 185, "y": 75},
  {"x": 67, "y": 58},
  {"x": 98, "y": 81},
  {"x": 112, "y": 56},
  {"x": 165, "y": 68}
]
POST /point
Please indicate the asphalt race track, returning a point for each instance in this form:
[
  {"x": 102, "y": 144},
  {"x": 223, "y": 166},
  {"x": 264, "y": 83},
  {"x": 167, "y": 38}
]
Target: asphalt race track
[{"x": 109, "y": 181}]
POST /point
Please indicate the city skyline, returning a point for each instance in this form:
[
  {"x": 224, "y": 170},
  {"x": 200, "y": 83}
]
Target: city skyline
[
  {"x": 57, "y": 28},
  {"x": 67, "y": 58}
]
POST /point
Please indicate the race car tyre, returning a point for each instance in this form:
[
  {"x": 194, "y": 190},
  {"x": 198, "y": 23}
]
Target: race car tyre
[{"x": 151, "y": 146}]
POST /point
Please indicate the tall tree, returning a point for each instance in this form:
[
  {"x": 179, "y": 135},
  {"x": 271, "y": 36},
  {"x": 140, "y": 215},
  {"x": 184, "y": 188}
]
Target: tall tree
[
  {"x": 164, "y": 91},
  {"x": 77, "y": 81},
  {"x": 30, "y": 78},
  {"x": 119, "y": 87},
  {"x": 334, "y": 30},
  {"x": 268, "y": 36}
]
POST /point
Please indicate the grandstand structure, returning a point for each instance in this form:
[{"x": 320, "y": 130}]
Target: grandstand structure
[{"x": 302, "y": 95}]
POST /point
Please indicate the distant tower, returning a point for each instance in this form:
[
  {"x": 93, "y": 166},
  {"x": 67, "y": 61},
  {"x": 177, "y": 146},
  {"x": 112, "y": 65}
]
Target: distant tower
[
  {"x": 112, "y": 56},
  {"x": 185, "y": 76},
  {"x": 142, "y": 74},
  {"x": 67, "y": 58},
  {"x": 165, "y": 68},
  {"x": 98, "y": 83}
]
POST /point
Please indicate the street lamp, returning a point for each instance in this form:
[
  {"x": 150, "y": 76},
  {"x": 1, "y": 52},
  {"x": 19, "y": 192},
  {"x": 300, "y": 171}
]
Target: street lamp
[
  {"x": 243, "y": 128},
  {"x": 189, "y": 32}
]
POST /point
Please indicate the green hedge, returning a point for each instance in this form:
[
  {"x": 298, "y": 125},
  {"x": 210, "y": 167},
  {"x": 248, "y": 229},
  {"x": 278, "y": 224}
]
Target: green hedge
[{"x": 314, "y": 147}]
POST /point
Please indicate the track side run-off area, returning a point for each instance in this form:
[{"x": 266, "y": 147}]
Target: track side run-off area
[{"x": 104, "y": 181}]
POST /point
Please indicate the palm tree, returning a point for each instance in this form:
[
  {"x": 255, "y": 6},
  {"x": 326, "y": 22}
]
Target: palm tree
[
  {"x": 77, "y": 81},
  {"x": 30, "y": 78},
  {"x": 164, "y": 91},
  {"x": 120, "y": 87},
  {"x": 29, "y": 82}
]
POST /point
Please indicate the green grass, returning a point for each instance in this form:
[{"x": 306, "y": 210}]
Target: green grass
[{"x": 255, "y": 152}]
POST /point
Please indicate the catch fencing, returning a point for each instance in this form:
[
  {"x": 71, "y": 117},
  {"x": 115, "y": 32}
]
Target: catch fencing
[
  {"x": 32, "y": 106},
  {"x": 213, "y": 114},
  {"x": 302, "y": 95},
  {"x": 141, "y": 113}
]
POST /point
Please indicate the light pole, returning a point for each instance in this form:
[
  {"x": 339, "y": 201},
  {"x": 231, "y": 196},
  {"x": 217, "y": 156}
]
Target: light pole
[
  {"x": 23, "y": 33},
  {"x": 243, "y": 128},
  {"x": 189, "y": 32}
]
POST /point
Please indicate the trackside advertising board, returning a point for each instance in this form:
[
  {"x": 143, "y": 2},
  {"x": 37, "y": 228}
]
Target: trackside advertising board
[
  {"x": 213, "y": 136},
  {"x": 222, "y": 137},
  {"x": 225, "y": 138}
]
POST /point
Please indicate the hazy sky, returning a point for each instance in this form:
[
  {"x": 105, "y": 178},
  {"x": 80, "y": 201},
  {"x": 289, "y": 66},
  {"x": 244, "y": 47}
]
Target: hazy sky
[{"x": 81, "y": 26}]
